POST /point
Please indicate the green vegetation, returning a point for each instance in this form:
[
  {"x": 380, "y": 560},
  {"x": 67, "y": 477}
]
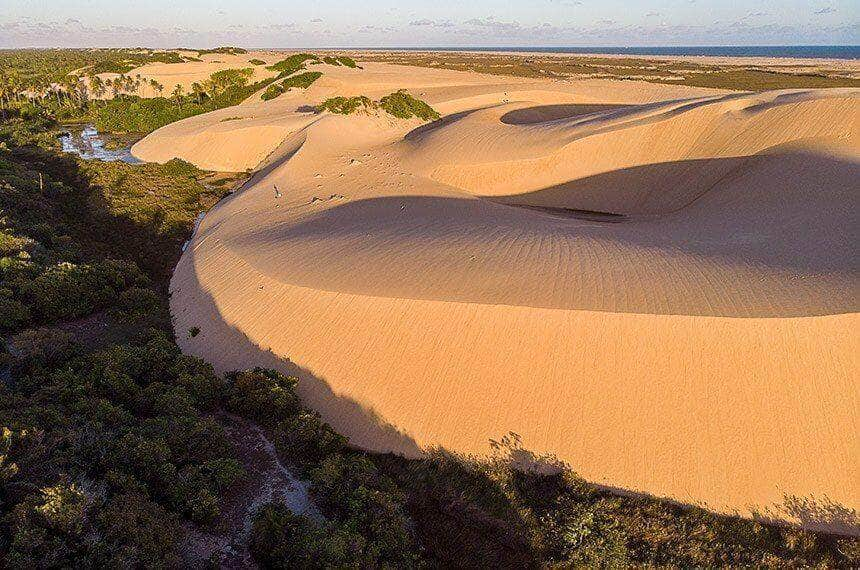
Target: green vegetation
[
  {"x": 345, "y": 105},
  {"x": 113, "y": 446},
  {"x": 340, "y": 60},
  {"x": 129, "y": 61},
  {"x": 292, "y": 64},
  {"x": 41, "y": 81},
  {"x": 107, "y": 442},
  {"x": 399, "y": 104},
  {"x": 404, "y": 106},
  {"x": 256, "y": 61},
  {"x": 654, "y": 70},
  {"x": 299, "y": 81},
  {"x": 227, "y": 50},
  {"x": 130, "y": 113}
]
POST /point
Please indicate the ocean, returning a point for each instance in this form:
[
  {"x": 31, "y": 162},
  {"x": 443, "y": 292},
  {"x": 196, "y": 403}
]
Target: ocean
[{"x": 822, "y": 52}]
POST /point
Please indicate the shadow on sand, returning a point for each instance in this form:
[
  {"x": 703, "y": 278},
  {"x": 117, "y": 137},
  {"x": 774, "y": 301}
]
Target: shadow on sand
[
  {"x": 782, "y": 242},
  {"x": 341, "y": 412}
]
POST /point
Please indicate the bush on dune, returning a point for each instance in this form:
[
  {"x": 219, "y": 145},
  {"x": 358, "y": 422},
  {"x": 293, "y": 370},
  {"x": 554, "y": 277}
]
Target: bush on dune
[
  {"x": 345, "y": 105},
  {"x": 300, "y": 81},
  {"x": 226, "y": 50},
  {"x": 292, "y": 64},
  {"x": 399, "y": 104},
  {"x": 340, "y": 60},
  {"x": 404, "y": 106}
]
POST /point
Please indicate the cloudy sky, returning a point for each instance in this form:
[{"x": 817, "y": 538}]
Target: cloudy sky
[{"x": 440, "y": 23}]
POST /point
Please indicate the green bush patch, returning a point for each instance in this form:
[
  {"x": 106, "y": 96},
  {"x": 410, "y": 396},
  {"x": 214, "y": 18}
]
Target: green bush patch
[
  {"x": 399, "y": 104},
  {"x": 404, "y": 106},
  {"x": 345, "y": 105}
]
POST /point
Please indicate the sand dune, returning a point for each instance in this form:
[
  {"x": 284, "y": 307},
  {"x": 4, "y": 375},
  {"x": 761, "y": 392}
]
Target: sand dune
[{"x": 656, "y": 283}]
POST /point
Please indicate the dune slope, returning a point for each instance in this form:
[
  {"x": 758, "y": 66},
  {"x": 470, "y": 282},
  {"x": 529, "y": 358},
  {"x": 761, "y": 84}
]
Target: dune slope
[{"x": 657, "y": 284}]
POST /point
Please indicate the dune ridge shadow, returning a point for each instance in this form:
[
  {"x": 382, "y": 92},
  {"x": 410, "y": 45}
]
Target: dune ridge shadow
[
  {"x": 546, "y": 113},
  {"x": 802, "y": 228}
]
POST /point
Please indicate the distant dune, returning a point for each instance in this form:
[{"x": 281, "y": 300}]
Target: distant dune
[{"x": 658, "y": 284}]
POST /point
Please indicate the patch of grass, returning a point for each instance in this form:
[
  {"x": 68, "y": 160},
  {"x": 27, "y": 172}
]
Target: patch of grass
[{"x": 256, "y": 61}]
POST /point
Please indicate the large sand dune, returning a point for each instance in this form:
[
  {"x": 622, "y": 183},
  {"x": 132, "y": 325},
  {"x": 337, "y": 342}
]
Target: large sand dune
[{"x": 658, "y": 284}]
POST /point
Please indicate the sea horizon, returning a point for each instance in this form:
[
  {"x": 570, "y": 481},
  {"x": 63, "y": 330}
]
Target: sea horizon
[{"x": 786, "y": 51}]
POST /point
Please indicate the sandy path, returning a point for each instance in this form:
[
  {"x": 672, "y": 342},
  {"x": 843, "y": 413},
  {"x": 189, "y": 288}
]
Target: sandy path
[{"x": 691, "y": 335}]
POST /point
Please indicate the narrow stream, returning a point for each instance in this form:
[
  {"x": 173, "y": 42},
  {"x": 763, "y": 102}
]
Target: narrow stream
[{"x": 89, "y": 144}]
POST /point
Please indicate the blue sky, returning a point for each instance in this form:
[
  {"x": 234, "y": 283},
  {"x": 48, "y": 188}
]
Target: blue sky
[{"x": 392, "y": 23}]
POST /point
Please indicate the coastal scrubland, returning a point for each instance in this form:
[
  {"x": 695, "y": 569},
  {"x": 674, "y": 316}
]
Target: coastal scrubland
[{"x": 735, "y": 76}]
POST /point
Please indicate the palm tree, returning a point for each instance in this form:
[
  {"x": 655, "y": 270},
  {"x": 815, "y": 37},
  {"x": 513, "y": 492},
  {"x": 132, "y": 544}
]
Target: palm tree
[
  {"x": 97, "y": 85},
  {"x": 177, "y": 94},
  {"x": 197, "y": 89}
]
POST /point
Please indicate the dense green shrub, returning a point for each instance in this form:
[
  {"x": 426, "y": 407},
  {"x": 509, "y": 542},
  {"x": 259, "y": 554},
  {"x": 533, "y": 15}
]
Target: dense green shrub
[
  {"x": 67, "y": 291},
  {"x": 404, "y": 106},
  {"x": 307, "y": 439},
  {"x": 227, "y": 50},
  {"x": 292, "y": 64},
  {"x": 345, "y": 105},
  {"x": 262, "y": 395},
  {"x": 300, "y": 81},
  {"x": 399, "y": 104},
  {"x": 272, "y": 91},
  {"x": 256, "y": 61},
  {"x": 281, "y": 540}
]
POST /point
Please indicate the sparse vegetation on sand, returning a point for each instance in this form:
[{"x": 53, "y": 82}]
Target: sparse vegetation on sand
[
  {"x": 227, "y": 50},
  {"x": 340, "y": 60},
  {"x": 399, "y": 104},
  {"x": 256, "y": 61},
  {"x": 299, "y": 81},
  {"x": 654, "y": 70}
]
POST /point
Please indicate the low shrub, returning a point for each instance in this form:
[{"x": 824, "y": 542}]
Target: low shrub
[
  {"x": 256, "y": 61},
  {"x": 345, "y": 105},
  {"x": 404, "y": 106},
  {"x": 399, "y": 104},
  {"x": 292, "y": 64},
  {"x": 227, "y": 50},
  {"x": 299, "y": 81},
  {"x": 272, "y": 91},
  {"x": 264, "y": 396},
  {"x": 302, "y": 80}
]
